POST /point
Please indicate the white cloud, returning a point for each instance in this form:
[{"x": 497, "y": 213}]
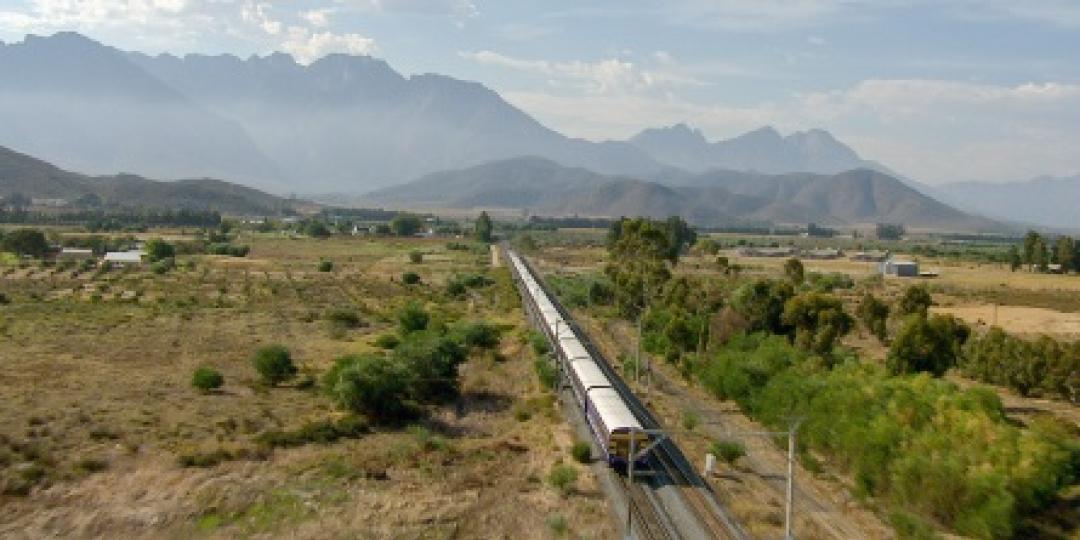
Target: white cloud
[
  {"x": 459, "y": 8},
  {"x": 257, "y": 13},
  {"x": 609, "y": 76},
  {"x": 317, "y": 17},
  {"x": 307, "y": 46}
]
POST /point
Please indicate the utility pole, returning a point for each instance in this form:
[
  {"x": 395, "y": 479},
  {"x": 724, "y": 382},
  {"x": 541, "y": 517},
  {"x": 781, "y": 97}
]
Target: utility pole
[
  {"x": 630, "y": 481},
  {"x": 790, "y": 484}
]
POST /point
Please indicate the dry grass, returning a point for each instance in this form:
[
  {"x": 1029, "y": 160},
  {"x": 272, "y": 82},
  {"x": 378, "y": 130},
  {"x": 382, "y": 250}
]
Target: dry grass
[{"x": 97, "y": 393}]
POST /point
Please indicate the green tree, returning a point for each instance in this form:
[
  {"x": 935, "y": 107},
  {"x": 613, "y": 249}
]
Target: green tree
[
  {"x": 916, "y": 300},
  {"x": 30, "y": 242},
  {"x": 274, "y": 364},
  {"x": 794, "y": 271},
  {"x": 206, "y": 379},
  {"x": 890, "y": 231},
  {"x": 406, "y": 224},
  {"x": 927, "y": 344},
  {"x": 874, "y": 315},
  {"x": 1065, "y": 253},
  {"x": 158, "y": 249},
  {"x": 761, "y": 304},
  {"x": 1035, "y": 251},
  {"x": 371, "y": 385},
  {"x": 484, "y": 228},
  {"x": 1015, "y": 261},
  {"x": 819, "y": 320},
  {"x": 639, "y": 251},
  {"x": 316, "y": 229}
]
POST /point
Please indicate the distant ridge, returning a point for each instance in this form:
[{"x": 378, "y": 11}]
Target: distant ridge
[
  {"x": 35, "y": 178},
  {"x": 539, "y": 185},
  {"x": 762, "y": 150},
  {"x": 1045, "y": 201}
]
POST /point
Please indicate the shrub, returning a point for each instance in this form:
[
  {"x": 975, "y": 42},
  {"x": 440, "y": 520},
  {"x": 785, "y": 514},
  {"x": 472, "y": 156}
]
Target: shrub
[
  {"x": 557, "y": 524},
  {"x": 581, "y": 451},
  {"x": 387, "y": 341},
  {"x": 727, "y": 451},
  {"x": 416, "y": 257},
  {"x": 563, "y": 477},
  {"x": 432, "y": 362},
  {"x": 343, "y": 317},
  {"x": 546, "y": 372},
  {"x": 413, "y": 318},
  {"x": 410, "y": 278},
  {"x": 480, "y": 335},
  {"x": 916, "y": 301},
  {"x": 204, "y": 459},
  {"x": 162, "y": 266},
  {"x": 794, "y": 271},
  {"x": 371, "y": 385},
  {"x": 927, "y": 344},
  {"x": 690, "y": 420},
  {"x": 874, "y": 315},
  {"x": 323, "y": 432},
  {"x": 539, "y": 343},
  {"x": 455, "y": 288},
  {"x": 274, "y": 364},
  {"x": 325, "y": 265},
  {"x": 158, "y": 249},
  {"x": 206, "y": 379}
]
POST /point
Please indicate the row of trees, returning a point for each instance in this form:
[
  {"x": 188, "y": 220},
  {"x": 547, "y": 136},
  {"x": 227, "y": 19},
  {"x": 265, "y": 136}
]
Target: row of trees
[
  {"x": 1038, "y": 253},
  {"x": 1043, "y": 367}
]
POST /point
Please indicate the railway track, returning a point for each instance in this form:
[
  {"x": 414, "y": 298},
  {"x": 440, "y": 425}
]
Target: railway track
[{"x": 651, "y": 519}]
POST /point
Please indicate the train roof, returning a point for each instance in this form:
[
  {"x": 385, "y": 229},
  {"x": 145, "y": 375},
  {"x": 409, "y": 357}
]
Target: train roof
[
  {"x": 612, "y": 410},
  {"x": 588, "y": 373},
  {"x": 571, "y": 345}
]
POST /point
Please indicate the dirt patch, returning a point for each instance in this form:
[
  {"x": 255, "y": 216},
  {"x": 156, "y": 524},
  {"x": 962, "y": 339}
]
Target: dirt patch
[{"x": 1018, "y": 319}]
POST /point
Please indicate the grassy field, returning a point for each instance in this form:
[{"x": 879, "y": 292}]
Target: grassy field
[{"x": 102, "y": 433}]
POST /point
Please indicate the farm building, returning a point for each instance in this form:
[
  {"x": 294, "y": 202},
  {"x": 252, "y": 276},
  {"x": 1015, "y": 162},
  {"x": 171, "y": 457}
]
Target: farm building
[
  {"x": 897, "y": 268},
  {"x": 766, "y": 252},
  {"x": 74, "y": 254},
  {"x": 822, "y": 254},
  {"x": 870, "y": 256},
  {"x": 134, "y": 256}
]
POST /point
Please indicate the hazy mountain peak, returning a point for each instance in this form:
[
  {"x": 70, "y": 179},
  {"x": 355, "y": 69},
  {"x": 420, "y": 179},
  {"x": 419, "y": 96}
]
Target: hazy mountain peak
[{"x": 677, "y": 134}]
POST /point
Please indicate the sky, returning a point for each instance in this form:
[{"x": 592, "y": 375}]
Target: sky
[{"x": 938, "y": 90}]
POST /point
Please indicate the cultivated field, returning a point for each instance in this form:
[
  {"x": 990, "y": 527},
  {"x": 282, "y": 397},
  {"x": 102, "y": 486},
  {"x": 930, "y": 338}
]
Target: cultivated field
[{"x": 103, "y": 435}]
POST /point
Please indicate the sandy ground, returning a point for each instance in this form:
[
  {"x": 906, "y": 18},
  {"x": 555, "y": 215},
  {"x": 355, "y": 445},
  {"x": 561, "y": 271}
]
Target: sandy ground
[
  {"x": 110, "y": 380},
  {"x": 1018, "y": 319}
]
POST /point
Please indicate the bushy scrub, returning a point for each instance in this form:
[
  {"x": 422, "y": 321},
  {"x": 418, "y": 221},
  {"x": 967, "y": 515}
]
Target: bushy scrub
[
  {"x": 1043, "y": 367},
  {"x": 917, "y": 443},
  {"x": 207, "y": 379},
  {"x": 274, "y": 364},
  {"x": 410, "y": 278},
  {"x": 325, "y": 265}
]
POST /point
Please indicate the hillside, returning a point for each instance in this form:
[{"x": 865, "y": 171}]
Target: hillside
[
  {"x": 35, "y": 178},
  {"x": 1045, "y": 201},
  {"x": 719, "y": 197}
]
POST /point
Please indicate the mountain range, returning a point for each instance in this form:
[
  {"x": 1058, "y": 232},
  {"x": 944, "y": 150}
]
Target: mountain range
[
  {"x": 34, "y": 178},
  {"x": 343, "y": 123},
  {"x": 352, "y": 124},
  {"x": 763, "y": 150},
  {"x": 1045, "y": 201},
  {"x": 718, "y": 197}
]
